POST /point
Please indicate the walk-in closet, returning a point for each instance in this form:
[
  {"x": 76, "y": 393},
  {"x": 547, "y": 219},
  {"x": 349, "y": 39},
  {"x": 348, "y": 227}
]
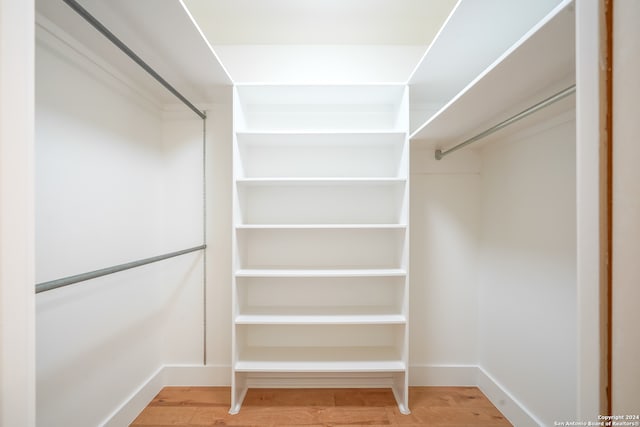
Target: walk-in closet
[{"x": 375, "y": 209}]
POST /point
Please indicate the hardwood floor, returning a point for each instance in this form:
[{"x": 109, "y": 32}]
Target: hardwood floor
[{"x": 430, "y": 406}]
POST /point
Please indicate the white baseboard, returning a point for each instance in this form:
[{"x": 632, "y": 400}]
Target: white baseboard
[
  {"x": 320, "y": 380},
  {"x": 168, "y": 375},
  {"x": 129, "y": 410},
  {"x": 510, "y": 407},
  {"x": 419, "y": 375}
]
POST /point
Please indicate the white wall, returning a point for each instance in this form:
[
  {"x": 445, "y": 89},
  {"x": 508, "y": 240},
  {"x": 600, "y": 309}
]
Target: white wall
[
  {"x": 625, "y": 387},
  {"x": 116, "y": 181},
  {"x": 17, "y": 326},
  {"x": 98, "y": 170},
  {"x": 182, "y": 213},
  {"x": 291, "y": 64},
  {"x": 527, "y": 284},
  {"x": 444, "y": 246}
]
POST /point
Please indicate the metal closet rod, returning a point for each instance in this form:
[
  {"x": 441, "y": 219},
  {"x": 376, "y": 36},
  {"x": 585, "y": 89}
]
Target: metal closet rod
[
  {"x": 66, "y": 281},
  {"x": 521, "y": 115},
  {"x": 131, "y": 54}
]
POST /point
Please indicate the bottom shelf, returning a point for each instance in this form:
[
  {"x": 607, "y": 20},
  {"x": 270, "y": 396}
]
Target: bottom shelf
[
  {"x": 396, "y": 380},
  {"x": 316, "y": 359}
]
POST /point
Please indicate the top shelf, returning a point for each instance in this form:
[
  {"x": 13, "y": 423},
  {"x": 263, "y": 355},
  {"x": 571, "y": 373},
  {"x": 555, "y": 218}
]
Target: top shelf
[
  {"x": 365, "y": 94},
  {"x": 525, "y": 73},
  {"x": 182, "y": 56},
  {"x": 333, "y": 108}
]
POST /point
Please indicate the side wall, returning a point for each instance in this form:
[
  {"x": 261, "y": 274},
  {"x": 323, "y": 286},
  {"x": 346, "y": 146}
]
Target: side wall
[
  {"x": 444, "y": 246},
  {"x": 116, "y": 181},
  {"x": 527, "y": 284}
]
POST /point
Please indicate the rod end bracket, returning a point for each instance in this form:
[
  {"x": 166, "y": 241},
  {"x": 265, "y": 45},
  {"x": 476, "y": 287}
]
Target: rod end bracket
[{"x": 439, "y": 155}]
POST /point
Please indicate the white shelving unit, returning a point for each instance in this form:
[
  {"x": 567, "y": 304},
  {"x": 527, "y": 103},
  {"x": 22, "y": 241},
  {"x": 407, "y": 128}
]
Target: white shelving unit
[
  {"x": 510, "y": 68},
  {"x": 381, "y": 272},
  {"x": 320, "y": 239}
]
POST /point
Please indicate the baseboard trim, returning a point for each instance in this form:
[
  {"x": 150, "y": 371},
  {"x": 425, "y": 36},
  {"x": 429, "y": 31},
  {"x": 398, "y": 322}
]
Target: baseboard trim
[
  {"x": 168, "y": 375},
  {"x": 137, "y": 401},
  {"x": 322, "y": 380},
  {"x": 510, "y": 407},
  {"x": 419, "y": 375}
]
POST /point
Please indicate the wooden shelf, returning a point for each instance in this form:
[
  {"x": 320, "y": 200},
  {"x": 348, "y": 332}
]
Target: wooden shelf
[
  {"x": 320, "y": 316},
  {"x": 391, "y": 272},
  {"x": 526, "y": 73},
  {"x": 271, "y": 95},
  {"x": 318, "y": 108},
  {"x": 321, "y": 200},
  {"x": 321, "y": 226},
  {"x": 490, "y": 26},
  {"x": 329, "y": 154},
  {"x": 319, "y": 359},
  {"x": 382, "y": 136},
  {"x": 315, "y": 366},
  {"x": 287, "y": 181}
]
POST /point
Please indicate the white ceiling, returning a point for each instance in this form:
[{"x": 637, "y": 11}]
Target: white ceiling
[
  {"x": 328, "y": 22},
  {"x": 270, "y": 41}
]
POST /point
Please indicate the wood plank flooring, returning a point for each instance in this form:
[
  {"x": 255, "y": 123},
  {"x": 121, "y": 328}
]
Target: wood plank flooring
[{"x": 430, "y": 406}]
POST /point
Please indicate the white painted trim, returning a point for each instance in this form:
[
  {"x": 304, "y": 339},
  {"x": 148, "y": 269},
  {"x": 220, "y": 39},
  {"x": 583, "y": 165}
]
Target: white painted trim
[
  {"x": 318, "y": 84},
  {"x": 420, "y": 375},
  {"x": 589, "y": 66},
  {"x": 443, "y": 375},
  {"x": 168, "y": 375},
  {"x": 506, "y": 403},
  {"x": 205, "y": 40},
  {"x": 328, "y": 380},
  {"x": 17, "y": 243},
  {"x": 137, "y": 401}
]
